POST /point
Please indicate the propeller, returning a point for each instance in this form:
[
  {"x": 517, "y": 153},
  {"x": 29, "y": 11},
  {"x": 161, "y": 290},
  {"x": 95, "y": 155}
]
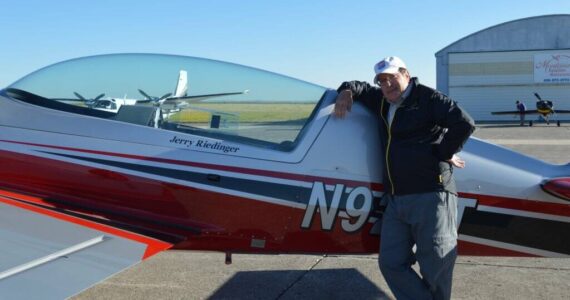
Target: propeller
[
  {"x": 89, "y": 102},
  {"x": 79, "y": 96},
  {"x": 165, "y": 96},
  {"x": 537, "y": 96},
  {"x": 152, "y": 98}
]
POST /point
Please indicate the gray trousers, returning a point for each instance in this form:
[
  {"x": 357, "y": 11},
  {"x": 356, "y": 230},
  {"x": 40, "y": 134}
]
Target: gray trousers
[{"x": 428, "y": 221}]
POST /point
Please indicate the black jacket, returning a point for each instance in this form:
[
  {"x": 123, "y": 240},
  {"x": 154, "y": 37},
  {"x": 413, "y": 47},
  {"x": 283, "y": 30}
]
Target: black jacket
[{"x": 427, "y": 129}]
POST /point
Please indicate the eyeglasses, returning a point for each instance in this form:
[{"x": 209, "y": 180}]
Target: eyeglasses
[{"x": 388, "y": 81}]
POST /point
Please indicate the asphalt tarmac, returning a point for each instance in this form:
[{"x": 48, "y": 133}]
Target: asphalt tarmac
[{"x": 201, "y": 275}]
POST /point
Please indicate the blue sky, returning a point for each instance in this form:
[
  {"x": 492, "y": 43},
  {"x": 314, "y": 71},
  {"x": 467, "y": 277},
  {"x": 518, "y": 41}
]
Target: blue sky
[{"x": 325, "y": 42}]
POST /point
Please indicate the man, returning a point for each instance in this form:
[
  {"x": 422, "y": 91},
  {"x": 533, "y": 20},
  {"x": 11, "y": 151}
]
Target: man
[
  {"x": 420, "y": 131},
  {"x": 522, "y": 110}
]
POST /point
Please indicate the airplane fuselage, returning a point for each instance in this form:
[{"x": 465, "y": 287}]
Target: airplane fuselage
[{"x": 214, "y": 194}]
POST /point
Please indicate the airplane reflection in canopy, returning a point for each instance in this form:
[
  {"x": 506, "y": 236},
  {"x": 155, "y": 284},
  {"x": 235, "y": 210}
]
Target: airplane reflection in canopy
[{"x": 169, "y": 103}]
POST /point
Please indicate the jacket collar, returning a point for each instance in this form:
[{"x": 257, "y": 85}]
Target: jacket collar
[{"x": 412, "y": 97}]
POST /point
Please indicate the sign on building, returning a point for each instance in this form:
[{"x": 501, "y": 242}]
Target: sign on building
[{"x": 552, "y": 68}]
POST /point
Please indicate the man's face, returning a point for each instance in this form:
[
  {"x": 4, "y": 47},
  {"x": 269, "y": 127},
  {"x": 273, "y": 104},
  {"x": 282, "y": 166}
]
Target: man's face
[{"x": 393, "y": 85}]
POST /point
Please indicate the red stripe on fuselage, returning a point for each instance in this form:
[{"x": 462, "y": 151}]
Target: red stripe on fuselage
[
  {"x": 556, "y": 209},
  {"x": 496, "y": 201}
]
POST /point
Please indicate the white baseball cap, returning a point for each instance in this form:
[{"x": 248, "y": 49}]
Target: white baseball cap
[{"x": 389, "y": 65}]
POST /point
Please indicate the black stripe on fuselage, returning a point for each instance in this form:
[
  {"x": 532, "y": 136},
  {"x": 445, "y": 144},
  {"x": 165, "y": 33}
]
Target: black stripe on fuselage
[
  {"x": 286, "y": 192},
  {"x": 269, "y": 189},
  {"x": 549, "y": 235}
]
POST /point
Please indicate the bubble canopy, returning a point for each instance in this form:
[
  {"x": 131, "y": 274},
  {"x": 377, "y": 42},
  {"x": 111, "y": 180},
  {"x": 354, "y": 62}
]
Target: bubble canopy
[
  {"x": 186, "y": 94},
  {"x": 122, "y": 75}
]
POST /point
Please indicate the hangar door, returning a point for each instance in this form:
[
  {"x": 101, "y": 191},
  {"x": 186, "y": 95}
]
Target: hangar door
[{"x": 483, "y": 82}]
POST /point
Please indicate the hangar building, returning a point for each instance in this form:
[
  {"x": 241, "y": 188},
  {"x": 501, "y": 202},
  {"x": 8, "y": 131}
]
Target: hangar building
[{"x": 489, "y": 70}]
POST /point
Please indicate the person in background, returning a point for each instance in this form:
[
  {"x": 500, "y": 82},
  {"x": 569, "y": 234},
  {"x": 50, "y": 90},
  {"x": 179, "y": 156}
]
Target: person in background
[
  {"x": 522, "y": 110},
  {"x": 421, "y": 130}
]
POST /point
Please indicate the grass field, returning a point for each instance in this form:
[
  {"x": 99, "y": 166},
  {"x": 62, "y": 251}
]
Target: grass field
[{"x": 245, "y": 112}]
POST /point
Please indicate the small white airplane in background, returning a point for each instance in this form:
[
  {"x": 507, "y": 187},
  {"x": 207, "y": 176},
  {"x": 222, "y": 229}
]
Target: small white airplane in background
[{"x": 169, "y": 103}]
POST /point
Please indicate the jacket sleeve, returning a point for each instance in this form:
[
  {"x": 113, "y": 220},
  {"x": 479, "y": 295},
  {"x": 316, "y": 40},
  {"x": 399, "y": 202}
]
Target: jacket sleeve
[
  {"x": 458, "y": 123},
  {"x": 364, "y": 93}
]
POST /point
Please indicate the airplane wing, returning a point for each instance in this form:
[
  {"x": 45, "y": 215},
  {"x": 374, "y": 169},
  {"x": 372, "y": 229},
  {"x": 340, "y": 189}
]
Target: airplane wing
[
  {"x": 198, "y": 98},
  {"x": 80, "y": 98},
  {"x": 49, "y": 254},
  {"x": 562, "y": 111},
  {"x": 514, "y": 112},
  {"x": 67, "y": 99}
]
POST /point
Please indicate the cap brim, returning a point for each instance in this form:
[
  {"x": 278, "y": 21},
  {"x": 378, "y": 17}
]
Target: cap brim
[{"x": 388, "y": 70}]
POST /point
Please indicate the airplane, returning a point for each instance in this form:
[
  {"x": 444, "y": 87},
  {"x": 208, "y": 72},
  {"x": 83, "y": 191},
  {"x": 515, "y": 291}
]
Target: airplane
[
  {"x": 170, "y": 103},
  {"x": 86, "y": 193},
  {"x": 544, "y": 109}
]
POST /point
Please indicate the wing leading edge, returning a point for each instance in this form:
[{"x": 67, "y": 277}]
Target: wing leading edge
[
  {"x": 528, "y": 112},
  {"x": 514, "y": 112}
]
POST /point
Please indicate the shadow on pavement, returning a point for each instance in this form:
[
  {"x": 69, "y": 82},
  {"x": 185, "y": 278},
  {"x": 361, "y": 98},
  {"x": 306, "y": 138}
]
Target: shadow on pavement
[{"x": 296, "y": 284}]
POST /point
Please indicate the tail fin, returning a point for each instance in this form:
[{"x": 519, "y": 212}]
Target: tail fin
[{"x": 182, "y": 85}]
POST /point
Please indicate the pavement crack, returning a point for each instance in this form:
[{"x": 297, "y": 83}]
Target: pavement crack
[
  {"x": 359, "y": 257},
  {"x": 301, "y": 277}
]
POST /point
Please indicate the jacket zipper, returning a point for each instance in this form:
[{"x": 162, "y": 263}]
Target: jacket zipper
[{"x": 389, "y": 127}]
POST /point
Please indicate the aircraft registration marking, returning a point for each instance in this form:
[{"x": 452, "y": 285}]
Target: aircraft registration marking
[
  {"x": 357, "y": 208},
  {"x": 329, "y": 210}
]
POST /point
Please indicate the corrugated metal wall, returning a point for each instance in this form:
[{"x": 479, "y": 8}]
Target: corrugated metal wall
[{"x": 483, "y": 82}]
